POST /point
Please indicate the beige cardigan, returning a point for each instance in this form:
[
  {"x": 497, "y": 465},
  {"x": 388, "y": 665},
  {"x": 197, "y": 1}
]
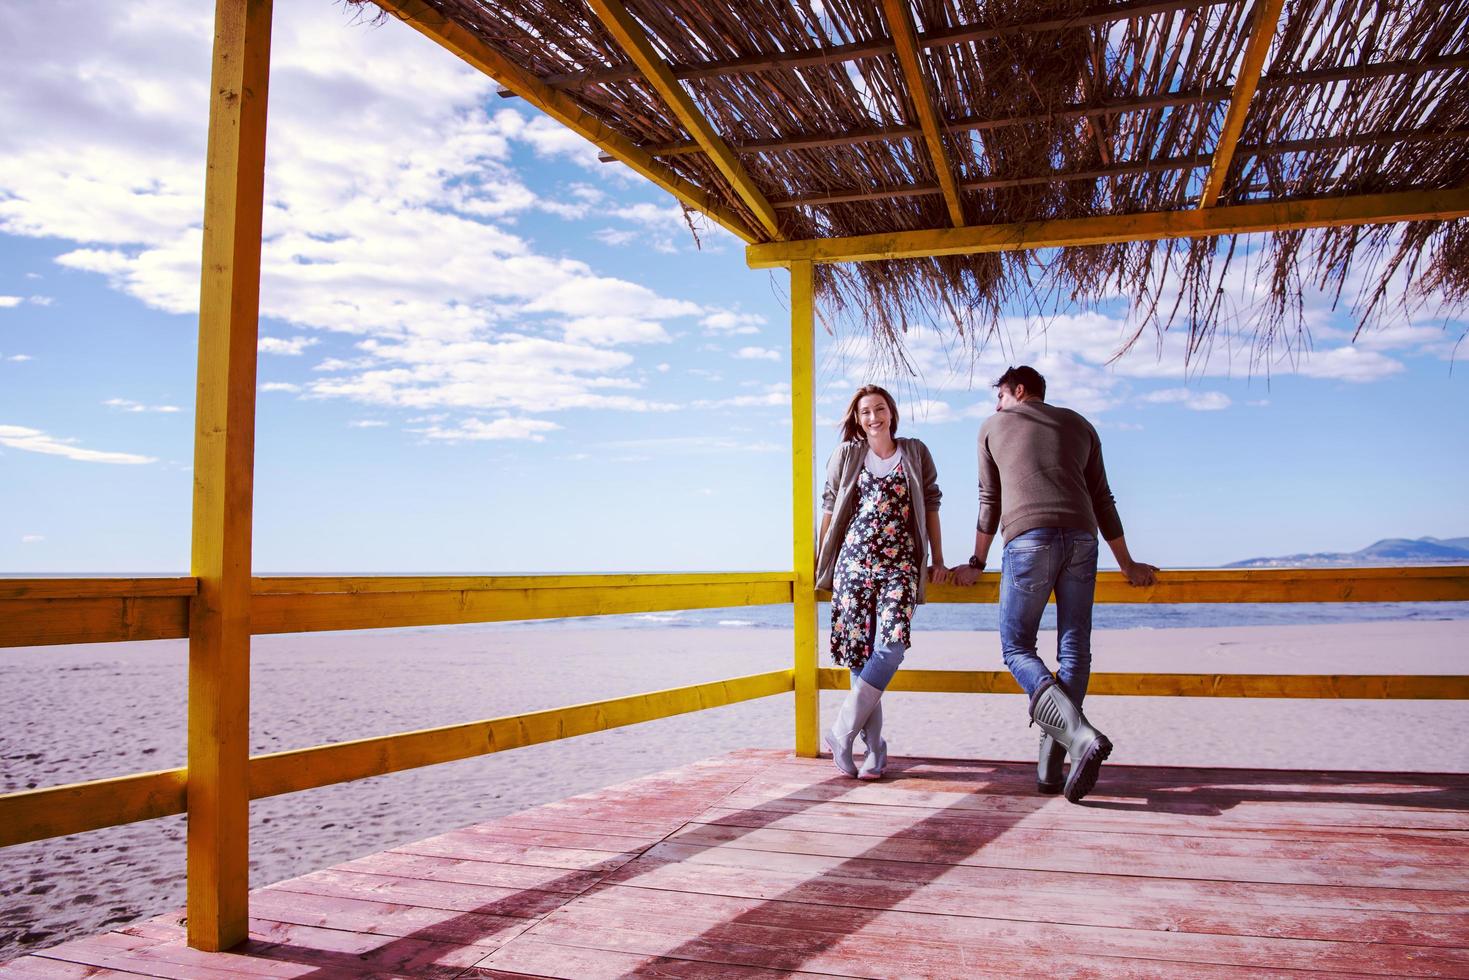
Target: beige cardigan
[{"x": 839, "y": 499}]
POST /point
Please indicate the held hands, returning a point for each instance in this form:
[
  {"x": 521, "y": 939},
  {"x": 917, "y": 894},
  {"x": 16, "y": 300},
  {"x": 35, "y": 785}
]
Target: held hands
[
  {"x": 938, "y": 574},
  {"x": 965, "y": 575},
  {"x": 1139, "y": 573}
]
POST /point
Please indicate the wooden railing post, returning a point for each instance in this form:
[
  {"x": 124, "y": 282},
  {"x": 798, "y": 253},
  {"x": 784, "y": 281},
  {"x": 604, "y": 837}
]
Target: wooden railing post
[
  {"x": 224, "y": 462},
  {"x": 803, "y": 506}
]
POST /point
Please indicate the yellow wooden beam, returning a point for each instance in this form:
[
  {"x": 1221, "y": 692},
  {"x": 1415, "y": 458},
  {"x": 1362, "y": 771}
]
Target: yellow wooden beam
[
  {"x": 323, "y": 584},
  {"x": 106, "y": 610},
  {"x": 377, "y": 610},
  {"x": 1265, "y": 18},
  {"x": 59, "y": 810},
  {"x": 803, "y": 505},
  {"x": 55, "y": 811},
  {"x": 468, "y": 46},
  {"x": 224, "y": 461},
  {"x": 1238, "y": 219},
  {"x": 1417, "y": 687},
  {"x": 905, "y": 40},
  {"x": 322, "y": 765},
  {"x": 631, "y": 38}
]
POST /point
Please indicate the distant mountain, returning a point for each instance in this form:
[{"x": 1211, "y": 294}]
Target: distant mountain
[{"x": 1388, "y": 551}]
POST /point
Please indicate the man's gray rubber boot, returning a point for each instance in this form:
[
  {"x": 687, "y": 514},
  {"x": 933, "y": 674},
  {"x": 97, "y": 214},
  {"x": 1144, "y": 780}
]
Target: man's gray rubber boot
[
  {"x": 876, "y": 760},
  {"x": 1050, "y": 769},
  {"x": 1061, "y": 719},
  {"x": 849, "y": 721}
]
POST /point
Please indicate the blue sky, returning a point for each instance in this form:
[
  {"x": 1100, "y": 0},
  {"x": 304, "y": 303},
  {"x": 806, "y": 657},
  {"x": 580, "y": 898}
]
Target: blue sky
[{"x": 483, "y": 351}]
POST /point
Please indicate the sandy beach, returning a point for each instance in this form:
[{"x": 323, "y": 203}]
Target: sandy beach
[{"x": 74, "y": 713}]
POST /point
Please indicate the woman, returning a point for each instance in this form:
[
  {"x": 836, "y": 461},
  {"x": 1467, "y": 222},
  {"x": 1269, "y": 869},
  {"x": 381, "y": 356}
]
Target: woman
[{"x": 881, "y": 516}]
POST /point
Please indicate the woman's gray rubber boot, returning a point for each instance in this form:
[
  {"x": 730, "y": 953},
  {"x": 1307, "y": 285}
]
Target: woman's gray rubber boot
[
  {"x": 849, "y": 721},
  {"x": 876, "y": 760},
  {"x": 1050, "y": 770},
  {"x": 1061, "y": 719}
]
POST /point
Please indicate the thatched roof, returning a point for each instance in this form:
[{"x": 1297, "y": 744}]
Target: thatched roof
[{"x": 1047, "y": 110}]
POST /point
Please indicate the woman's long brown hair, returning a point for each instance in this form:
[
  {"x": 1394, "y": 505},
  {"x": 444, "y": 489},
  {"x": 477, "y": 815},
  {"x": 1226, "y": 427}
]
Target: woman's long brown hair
[{"x": 851, "y": 429}]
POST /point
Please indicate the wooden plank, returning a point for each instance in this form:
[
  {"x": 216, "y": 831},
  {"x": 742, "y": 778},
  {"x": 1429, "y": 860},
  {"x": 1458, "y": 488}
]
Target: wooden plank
[
  {"x": 360, "y": 954},
  {"x": 377, "y": 918},
  {"x": 464, "y": 845},
  {"x": 55, "y": 811},
  {"x": 307, "y": 612},
  {"x": 920, "y": 92},
  {"x": 322, "y": 765},
  {"x": 301, "y": 604},
  {"x": 1263, "y": 23},
  {"x": 48, "y": 622},
  {"x": 445, "y": 895},
  {"x": 471, "y": 871},
  {"x": 1238, "y": 219},
  {"x": 1080, "y": 899},
  {"x": 469, "y": 47},
  {"x": 630, "y": 36},
  {"x": 1018, "y": 835},
  {"x": 905, "y": 820},
  {"x": 530, "y": 956},
  {"x": 843, "y": 941},
  {"x": 95, "y": 588},
  {"x": 803, "y": 507},
  {"x": 1106, "y": 855},
  {"x": 224, "y": 465},
  {"x": 1433, "y": 687},
  {"x": 319, "y": 584}
]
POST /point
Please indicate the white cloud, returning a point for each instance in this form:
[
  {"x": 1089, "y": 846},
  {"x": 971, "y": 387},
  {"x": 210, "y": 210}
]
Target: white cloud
[
  {"x": 36, "y": 441},
  {"x": 757, "y": 354},
  {"x": 771, "y": 396},
  {"x": 20, "y": 358},
  {"x": 387, "y": 222},
  {"x": 291, "y": 348},
  {"x": 696, "y": 444},
  {"x": 610, "y": 330},
  {"x": 40, "y": 300},
  {"x": 9, "y": 301},
  {"x": 729, "y": 322},
  {"x": 1348, "y": 364},
  {"x": 1199, "y": 401},
  {"x": 504, "y": 428},
  {"x": 32, "y": 538},
  {"x": 366, "y": 423},
  {"x": 279, "y": 386},
  {"x": 128, "y": 405}
]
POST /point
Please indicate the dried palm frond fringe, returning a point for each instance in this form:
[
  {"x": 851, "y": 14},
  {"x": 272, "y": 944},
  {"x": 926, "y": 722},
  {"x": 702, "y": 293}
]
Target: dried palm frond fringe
[{"x": 1060, "y": 109}]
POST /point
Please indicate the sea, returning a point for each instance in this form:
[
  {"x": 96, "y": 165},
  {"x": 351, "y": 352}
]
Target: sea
[{"x": 977, "y": 616}]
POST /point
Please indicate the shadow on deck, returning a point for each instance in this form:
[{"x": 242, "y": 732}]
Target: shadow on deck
[{"x": 757, "y": 863}]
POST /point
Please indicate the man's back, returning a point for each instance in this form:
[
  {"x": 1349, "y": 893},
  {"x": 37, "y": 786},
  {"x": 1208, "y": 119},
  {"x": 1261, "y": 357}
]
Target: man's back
[{"x": 1041, "y": 466}]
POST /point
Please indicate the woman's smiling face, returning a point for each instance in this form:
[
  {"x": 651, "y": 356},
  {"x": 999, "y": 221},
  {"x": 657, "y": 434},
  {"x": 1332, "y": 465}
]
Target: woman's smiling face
[{"x": 874, "y": 416}]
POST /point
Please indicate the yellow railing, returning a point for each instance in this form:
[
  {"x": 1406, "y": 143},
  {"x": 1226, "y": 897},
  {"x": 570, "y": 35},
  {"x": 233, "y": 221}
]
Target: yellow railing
[{"x": 42, "y": 611}]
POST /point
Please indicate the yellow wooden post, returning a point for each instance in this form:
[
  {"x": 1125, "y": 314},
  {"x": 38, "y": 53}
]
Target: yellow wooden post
[
  {"x": 803, "y": 506},
  {"x": 224, "y": 460}
]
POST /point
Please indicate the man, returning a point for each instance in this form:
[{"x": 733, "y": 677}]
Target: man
[{"x": 1041, "y": 481}]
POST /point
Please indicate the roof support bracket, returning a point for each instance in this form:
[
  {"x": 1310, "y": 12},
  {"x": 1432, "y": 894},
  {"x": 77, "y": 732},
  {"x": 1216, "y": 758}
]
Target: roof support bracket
[
  {"x": 632, "y": 39},
  {"x": 905, "y": 40},
  {"x": 1267, "y": 15}
]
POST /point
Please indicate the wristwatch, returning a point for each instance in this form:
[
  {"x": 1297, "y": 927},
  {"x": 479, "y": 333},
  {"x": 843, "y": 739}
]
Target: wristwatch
[{"x": 976, "y": 562}]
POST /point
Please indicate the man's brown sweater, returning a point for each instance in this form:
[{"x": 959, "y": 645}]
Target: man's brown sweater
[{"x": 1041, "y": 466}]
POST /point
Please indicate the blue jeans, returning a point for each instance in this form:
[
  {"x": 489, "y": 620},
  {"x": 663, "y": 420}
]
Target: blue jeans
[
  {"x": 879, "y": 669},
  {"x": 1035, "y": 564}
]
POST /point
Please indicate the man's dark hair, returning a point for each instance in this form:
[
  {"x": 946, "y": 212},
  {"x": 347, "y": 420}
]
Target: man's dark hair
[{"x": 1023, "y": 375}]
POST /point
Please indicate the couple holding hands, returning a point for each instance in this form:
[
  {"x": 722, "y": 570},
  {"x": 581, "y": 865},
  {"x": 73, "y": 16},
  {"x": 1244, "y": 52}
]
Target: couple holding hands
[{"x": 1042, "y": 484}]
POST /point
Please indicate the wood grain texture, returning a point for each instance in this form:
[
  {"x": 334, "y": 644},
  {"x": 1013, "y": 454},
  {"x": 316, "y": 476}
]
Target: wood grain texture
[{"x": 762, "y": 863}]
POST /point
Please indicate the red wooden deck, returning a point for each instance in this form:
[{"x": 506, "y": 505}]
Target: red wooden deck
[{"x": 757, "y": 864}]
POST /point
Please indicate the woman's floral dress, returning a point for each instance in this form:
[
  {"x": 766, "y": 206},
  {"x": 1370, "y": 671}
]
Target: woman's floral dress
[{"x": 875, "y": 583}]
